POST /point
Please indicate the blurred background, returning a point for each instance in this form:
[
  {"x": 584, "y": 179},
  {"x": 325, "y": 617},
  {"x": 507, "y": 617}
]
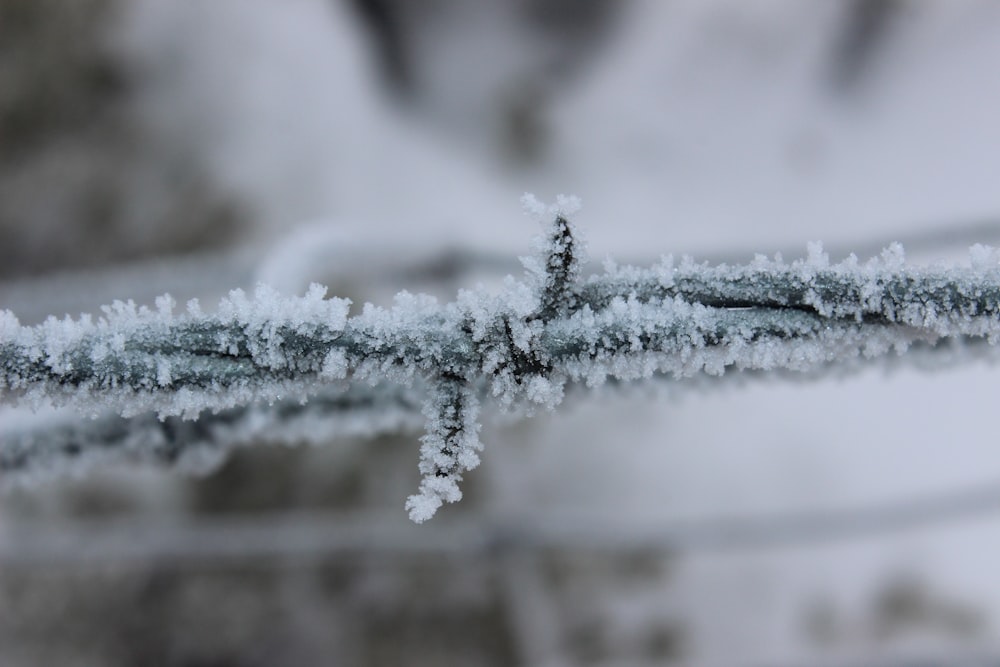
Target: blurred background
[{"x": 378, "y": 145}]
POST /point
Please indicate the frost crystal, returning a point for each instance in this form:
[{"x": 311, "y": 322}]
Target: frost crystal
[
  {"x": 539, "y": 339},
  {"x": 450, "y": 447}
]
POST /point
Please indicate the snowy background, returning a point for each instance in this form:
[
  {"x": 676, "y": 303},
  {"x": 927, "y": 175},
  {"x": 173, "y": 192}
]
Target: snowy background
[{"x": 174, "y": 145}]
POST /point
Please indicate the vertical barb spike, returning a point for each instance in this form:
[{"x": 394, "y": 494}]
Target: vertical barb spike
[
  {"x": 563, "y": 262},
  {"x": 449, "y": 448}
]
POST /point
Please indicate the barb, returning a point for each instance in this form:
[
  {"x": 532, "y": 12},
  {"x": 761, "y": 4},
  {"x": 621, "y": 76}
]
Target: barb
[
  {"x": 450, "y": 447},
  {"x": 520, "y": 348}
]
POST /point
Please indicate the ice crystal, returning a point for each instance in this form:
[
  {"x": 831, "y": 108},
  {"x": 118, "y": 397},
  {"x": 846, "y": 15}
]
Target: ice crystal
[{"x": 521, "y": 348}]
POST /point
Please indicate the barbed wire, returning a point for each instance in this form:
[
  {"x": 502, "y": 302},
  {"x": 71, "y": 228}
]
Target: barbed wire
[{"x": 521, "y": 349}]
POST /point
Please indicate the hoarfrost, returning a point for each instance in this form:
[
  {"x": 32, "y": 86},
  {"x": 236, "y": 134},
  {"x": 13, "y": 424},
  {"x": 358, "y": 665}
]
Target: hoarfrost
[
  {"x": 524, "y": 347},
  {"x": 134, "y": 359},
  {"x": 449, "y": 448}
]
